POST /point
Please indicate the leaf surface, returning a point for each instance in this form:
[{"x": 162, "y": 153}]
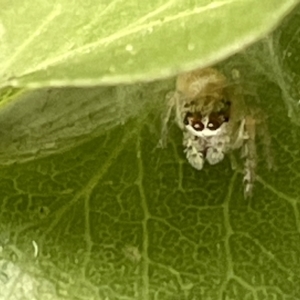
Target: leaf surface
[{"x": 87, "y": 43}]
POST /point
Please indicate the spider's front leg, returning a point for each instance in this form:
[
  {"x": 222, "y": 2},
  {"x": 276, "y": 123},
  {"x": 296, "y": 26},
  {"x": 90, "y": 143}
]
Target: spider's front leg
[
  {"x": 214, "y": 155},
  {"x": 249, "y": 154},
  {"x": 194, "y": 150}
]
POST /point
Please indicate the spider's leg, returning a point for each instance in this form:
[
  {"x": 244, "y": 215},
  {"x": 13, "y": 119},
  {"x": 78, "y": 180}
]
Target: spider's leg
[
  {"x": 214, "y": 155},
  {"x": 240, "y": 136},
  {"x": 233, "y": 162},
  {"x": 194, "y": 151},
  {"x": 250, "y": 156}
]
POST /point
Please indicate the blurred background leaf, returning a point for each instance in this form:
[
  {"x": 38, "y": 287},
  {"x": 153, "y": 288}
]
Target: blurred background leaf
[
  {"x": 61, "y": 43},
  {"x": 44, "y": 121}
]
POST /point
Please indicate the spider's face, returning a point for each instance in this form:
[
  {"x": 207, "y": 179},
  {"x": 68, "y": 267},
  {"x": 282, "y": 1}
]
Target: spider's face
[{"x": 206, "y": 126}]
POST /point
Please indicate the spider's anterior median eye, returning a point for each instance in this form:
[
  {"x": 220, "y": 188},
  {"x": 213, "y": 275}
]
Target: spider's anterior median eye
[
  {"x": 213, "y": 125},
  {"x": 195, "y": 120},
  {"x": 214, "y": 121},
  {"x": 197, "y": 125}
]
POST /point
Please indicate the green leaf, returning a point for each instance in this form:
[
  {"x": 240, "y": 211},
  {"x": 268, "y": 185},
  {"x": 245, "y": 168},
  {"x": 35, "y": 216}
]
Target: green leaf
[
  {"x": 78, "y": 43},
  {"x": 108, "y": 215},
  {"x": 37, "y": 123},
  {"x": 117, "y": 218}
]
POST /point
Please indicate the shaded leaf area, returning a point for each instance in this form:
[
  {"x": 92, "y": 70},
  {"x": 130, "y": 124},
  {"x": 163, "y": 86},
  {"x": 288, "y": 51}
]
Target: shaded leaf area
[
  {"x": 37, "y": 123},
  {"x": 277, "y": 58},
  {"x": 75, "y": 43},
  {"x": 286, "y": 48},
  {"x": 118, "y": 218}
]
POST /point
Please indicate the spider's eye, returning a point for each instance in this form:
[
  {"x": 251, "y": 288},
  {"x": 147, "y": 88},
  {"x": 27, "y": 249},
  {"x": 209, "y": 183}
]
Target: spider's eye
[
  {"x": 213, "y": 125},
  {"x": 197, "y": 125},
  {"x": 193, "y": 119},
  {"x": 215, "y": 121}
]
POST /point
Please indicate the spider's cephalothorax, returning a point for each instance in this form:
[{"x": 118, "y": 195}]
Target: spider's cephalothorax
[{"x": 214, "y": 120}]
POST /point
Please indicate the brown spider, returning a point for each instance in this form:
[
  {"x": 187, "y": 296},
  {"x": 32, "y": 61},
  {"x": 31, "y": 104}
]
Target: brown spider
[{"x": 215, "y": 121}]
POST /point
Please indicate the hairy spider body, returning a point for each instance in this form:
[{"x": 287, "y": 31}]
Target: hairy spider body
[{"x": 214, "y": 120}]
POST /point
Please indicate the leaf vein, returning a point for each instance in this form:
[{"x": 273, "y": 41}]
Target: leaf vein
[
  {"x": 126, "y": 32},
  {"x": 52, "y": 15}
]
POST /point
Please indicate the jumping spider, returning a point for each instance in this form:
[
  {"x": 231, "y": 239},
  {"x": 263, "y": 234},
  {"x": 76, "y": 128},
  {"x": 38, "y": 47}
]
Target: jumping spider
[{"x": 215, "y": 121}]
